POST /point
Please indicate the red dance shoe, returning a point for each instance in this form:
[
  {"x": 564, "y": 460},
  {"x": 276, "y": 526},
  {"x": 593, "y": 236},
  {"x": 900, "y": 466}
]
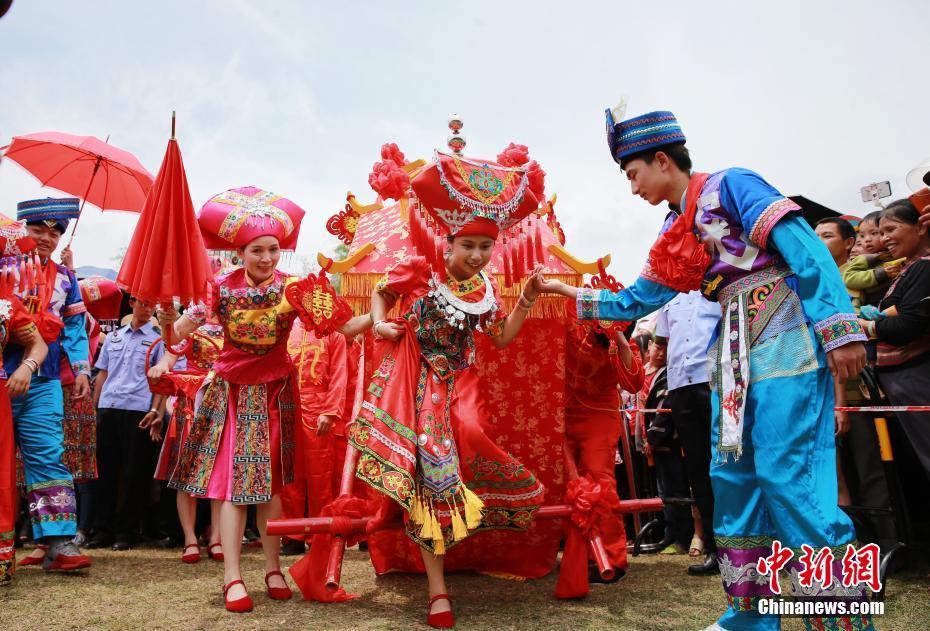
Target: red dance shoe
[
  {"x": 240, "y": 605},
  {"x": 216, "y": 556},
  {"x": 66, "y": 562},
  {"x": 31, "y": 560},
  {"x": 278, "y": 593},
  {"x": 443, "y": 619},
  {"x": 191, "y": 557}
]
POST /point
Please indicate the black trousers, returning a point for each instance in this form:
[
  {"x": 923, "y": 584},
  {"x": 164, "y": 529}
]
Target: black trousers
[
  {"x": 126, "y": 458},
  {"x": 671, "y": 481},
  {"x": 910, "y": 385},
  {"x": 691, "y": 414}
]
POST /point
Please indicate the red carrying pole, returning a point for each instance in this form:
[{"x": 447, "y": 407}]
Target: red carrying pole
[
  {"x": 337, "y": 548},
  {"x": 317, "y": 525},
  {"x": 311, "y": 526},
  {"x": 337, "y": 551}
]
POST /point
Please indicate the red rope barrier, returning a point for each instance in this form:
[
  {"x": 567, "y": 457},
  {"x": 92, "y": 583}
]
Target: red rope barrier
[
  {"x": 884, "y": 408},
  {"x": 839, "y": 408}
]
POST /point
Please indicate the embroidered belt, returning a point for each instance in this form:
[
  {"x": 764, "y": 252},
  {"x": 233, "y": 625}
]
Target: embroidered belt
[
  {"x": 751, "y": 281},
  {"x": 736, "y": 336}
]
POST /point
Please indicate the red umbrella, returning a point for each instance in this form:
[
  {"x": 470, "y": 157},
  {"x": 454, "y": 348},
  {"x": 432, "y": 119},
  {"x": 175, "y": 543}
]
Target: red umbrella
[
  {"x": 166, "y": 259},
  {"x": 84, "y": 166}
]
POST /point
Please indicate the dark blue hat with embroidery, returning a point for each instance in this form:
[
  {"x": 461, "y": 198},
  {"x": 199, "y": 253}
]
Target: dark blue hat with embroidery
[
  {"x": 51, "y": 211},
  {"x": 634, "y": 135}
]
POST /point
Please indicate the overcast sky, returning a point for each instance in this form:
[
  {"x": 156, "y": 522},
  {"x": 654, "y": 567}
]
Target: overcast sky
[{"x": 297, "y": 97}]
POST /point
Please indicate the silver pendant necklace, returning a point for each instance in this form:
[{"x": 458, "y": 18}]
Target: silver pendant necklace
[{"x": 457, "y": 309}]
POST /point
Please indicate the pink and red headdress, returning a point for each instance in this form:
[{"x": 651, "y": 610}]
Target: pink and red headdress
[{"x": 236, "y": 217}]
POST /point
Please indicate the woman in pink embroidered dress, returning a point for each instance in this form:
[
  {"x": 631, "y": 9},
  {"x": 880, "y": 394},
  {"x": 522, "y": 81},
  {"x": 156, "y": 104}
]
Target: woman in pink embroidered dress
[{"x": 240, "y": 446}]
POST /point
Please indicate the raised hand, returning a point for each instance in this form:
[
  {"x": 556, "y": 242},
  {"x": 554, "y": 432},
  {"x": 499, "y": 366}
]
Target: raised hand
[
  {"x": 67, "y": 258},
  {"x": 530, "y": 290}
]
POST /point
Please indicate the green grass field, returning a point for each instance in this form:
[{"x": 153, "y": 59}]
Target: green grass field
[{"x": 152, "y": 589}]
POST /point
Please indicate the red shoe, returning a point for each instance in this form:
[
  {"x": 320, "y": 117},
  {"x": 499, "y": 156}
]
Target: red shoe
[
  {"x": 31, "y": 560},
  {"x": 240, "y": 605},
  {"x": 66, "y": 562},
  {"x": 278, "y": 593},
  {"x": 192, "y": 557},
  {"x": 216, "y": 556},
  {"x": 443, "y": 619}
]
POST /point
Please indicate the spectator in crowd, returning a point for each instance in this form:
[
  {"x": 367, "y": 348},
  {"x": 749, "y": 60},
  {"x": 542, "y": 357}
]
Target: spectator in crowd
[
  {"x": 653, "y": 370},
  {"x": 901, "y": 324},
  {"x": 126, "y": 409},
  {"x": 685, "y": 326},
  {"x": 187, "y": 376},
  {"x": 867, "y": 275},
  {"x": 661, "y": 445}
]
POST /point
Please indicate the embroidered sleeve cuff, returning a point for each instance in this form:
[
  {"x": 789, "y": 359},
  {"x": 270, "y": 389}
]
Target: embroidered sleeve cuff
[
  {"x": 197, "y": 314},
  {"x": 587, "y": 303},
  {"x": 838, "y": 330},
  {"x": 759, "y": 233},
  {"x": 81, "y": 368},
  {"x": 74, "y": 308}
]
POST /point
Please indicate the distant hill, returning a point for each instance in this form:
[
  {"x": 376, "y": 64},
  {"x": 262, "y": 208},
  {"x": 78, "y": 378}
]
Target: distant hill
[{"x": 89, "y": 270}]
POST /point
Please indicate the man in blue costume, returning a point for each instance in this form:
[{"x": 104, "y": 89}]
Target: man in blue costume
[
  {"x": 787, "y": 324},
  {"x": 37, "y": 416}
]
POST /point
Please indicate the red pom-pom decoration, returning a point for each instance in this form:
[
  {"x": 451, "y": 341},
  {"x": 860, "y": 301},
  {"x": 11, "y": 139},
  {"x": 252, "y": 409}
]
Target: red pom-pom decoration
[
  {"x": 514, "y": 156},
  {"x": 391, "y": 153},
  {"x": 389, "y": 180},
  {"x": 536, "y": 180}
]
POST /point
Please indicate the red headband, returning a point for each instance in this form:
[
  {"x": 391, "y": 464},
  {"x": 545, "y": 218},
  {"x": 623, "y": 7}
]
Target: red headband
[{"x": 479, "y": 227}]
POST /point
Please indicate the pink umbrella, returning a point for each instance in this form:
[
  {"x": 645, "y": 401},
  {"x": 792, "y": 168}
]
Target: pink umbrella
[{"x": 84, "y": 166}]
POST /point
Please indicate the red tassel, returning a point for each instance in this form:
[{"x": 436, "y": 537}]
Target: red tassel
[
  {"x": 540, "y": 248},
  {"x": 520, "y": 266},
  {"x": 429, "y": 249},
  {"x": 23, "y": 277},
  {"x": 413, "y": 226},
  {"x": 531, "y": 238},
  {"x": 507, "y": 280},
  {"x": 440, "y": 257},
  {"x": 37, "y": 277},
  {"x": 512, "y": 256},
  {"x": 426, "y": 235},
  {"x": 525, "y": 251}
]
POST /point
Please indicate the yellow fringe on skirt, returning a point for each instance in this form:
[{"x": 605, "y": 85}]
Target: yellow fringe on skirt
[{"x": 424, "y": 513}]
